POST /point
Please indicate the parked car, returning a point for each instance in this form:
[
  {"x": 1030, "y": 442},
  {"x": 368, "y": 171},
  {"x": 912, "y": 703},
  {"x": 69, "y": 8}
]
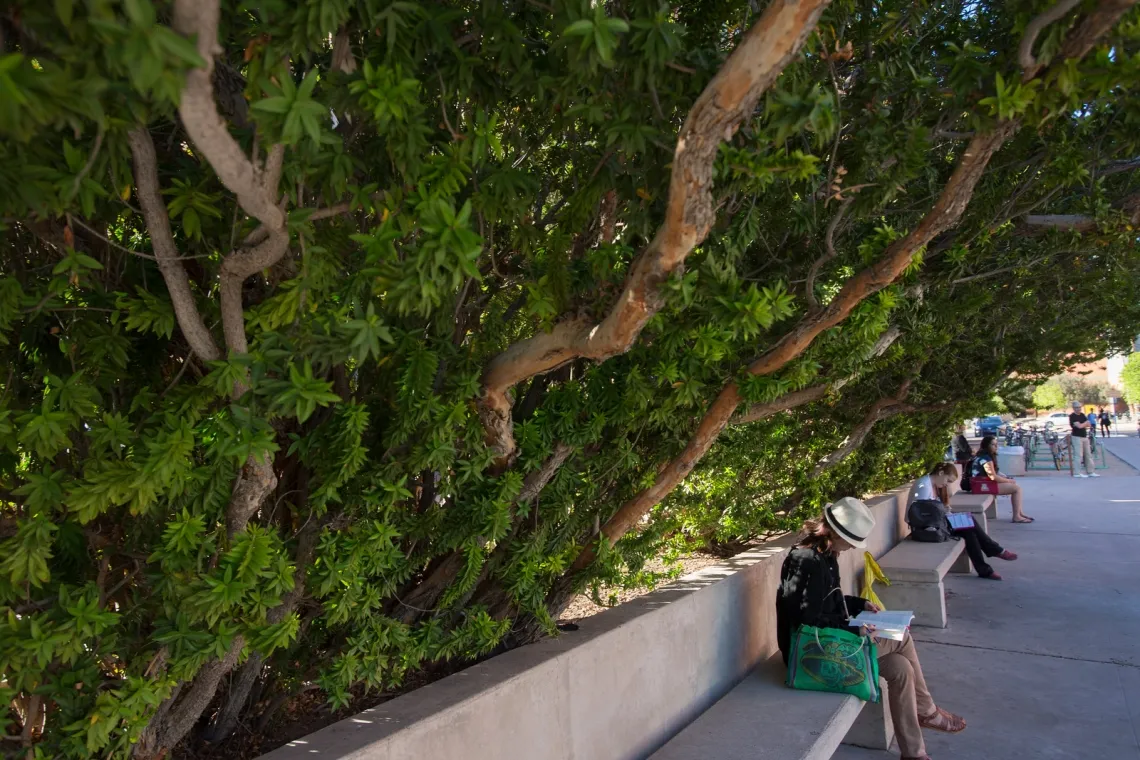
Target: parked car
[
  {"x": 1057, "y": 420},
  {"x": 987, "y": 426}
]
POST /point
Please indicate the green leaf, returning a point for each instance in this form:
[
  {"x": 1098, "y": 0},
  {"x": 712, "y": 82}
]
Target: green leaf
[
  {"x": 65, "y": 10},
  {"x": 582, "y": 28},
  {"x": 277, "y": 105}
]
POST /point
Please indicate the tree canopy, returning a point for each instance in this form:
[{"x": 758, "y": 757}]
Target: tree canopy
[
  {"x": 1130, "y": 379},
  {"x": 344, "y": 337},
  {"x": 1049, "y": 396}
]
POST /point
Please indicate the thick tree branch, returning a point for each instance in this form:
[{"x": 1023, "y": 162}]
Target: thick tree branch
[
  {"x": 1076, "y": 222},
  {"x": 816, "y": 392},
  {"x": 726, "y": 102},
  {"x": 947, "y": 210},
  {"x": 255, "y": 190},
  {"x": 784, "y": 403},
  {"x": 420, "y": 601},
  {"x": 1094, "y": 27},
  {"x": 879, "y": 411},
  {"x": 1028, "y": 63},
  {"x": 1130, "y": 206},
  {"x": 1116, "y": 167},
  {"x": 162, "y": 241},
  {"x": 199, "y": 112}
]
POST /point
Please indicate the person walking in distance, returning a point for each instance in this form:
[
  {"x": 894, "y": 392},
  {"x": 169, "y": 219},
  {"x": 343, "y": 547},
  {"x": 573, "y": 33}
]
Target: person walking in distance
[
  {"x": 1082, "y": 453},
  {"x": 1105, "y": 423}
]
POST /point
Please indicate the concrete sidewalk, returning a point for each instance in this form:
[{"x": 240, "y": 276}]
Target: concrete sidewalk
[
  {"x": 1126, "y": 448},
  {"x": 1045, "y": 664}
]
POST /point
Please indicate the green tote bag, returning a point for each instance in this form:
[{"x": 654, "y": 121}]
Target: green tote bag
[{"x": 830, "y": 659}]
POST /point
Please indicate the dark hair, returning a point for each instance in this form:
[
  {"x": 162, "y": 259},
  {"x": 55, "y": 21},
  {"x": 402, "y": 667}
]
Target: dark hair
[
  {"x": 815, "y": 534},
  {"x": 984, "y": 446}
]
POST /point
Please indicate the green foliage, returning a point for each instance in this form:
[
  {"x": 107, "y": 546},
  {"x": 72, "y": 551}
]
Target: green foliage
[
  {"x": 1130, "y": 379},
  {"x": 318, "y": 501},
  {"x": 1049, "y": 396}
]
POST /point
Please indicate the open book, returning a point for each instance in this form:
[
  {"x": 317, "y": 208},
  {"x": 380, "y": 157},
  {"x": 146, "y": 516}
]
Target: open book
[{"x": 888, "y": 625}]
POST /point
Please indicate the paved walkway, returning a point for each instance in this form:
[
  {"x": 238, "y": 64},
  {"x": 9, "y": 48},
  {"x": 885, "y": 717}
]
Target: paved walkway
[
  {"x": 1127, "y": 448},
  {"x": 1045, "y": 665}
]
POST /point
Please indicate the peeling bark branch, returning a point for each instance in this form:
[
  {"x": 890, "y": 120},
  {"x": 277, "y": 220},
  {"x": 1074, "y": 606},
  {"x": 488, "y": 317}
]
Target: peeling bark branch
[
  {"x": 256, "y": 482},
  {"x": 1079, "y": 222},
  {"x": 859, "y": 434},
  {"x": 159, "y": 737},
  {"x": 442, "y": 573},
  {"x": 880, "y": 410},
  {"x": 1029, "y": 65},
  {"x": 199, "y": 112},
  {"x": 536, "y": 481},
  {"x": 1116, "y": 167},
  {"x": 726, "y": 102},
  {"x": 947, "y": 210},
  {"x": 254, "y": 188},
  {"x": 162, "y": 241},
  {"x": 1093, "y": 27},
  {"x": 786, "y": 402}
]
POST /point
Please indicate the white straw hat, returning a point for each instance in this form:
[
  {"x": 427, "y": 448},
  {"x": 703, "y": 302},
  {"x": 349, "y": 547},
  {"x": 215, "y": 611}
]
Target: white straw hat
[{"x": 851, "y": 520}]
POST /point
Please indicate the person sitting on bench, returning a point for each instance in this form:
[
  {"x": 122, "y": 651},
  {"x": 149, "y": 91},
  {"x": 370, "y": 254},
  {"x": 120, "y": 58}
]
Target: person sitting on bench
[
  {"x": 979, "y": 545},
  {"x": 984, "y": 465},
  {"x": 809, "y": 594},
  {"x": 961, "y": 447}
]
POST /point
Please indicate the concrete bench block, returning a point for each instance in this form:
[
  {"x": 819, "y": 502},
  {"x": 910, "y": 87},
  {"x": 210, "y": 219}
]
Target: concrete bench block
[
  {"x": 919, "y": 562},
  {"x": 762, "y": 719},
  {"x": 916, "y": 571},
  {"x": 927, "y": 600},
  {"x": 979, "y": 503},
  {"x": 874, "y": 728}
]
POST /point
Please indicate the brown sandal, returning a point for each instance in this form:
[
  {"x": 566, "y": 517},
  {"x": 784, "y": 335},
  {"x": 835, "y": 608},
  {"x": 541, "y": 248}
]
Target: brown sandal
[{"x": 941, "y": 720}]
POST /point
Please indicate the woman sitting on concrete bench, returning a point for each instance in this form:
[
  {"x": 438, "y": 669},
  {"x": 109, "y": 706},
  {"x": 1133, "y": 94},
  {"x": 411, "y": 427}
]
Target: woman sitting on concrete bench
[
  {"x": 810, "y": 594},
  {"x": 979, "y": 545},
  {"x": 984, "y": 465}
]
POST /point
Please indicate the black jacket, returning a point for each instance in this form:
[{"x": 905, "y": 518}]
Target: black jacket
[{"x": 808, "y": 595}]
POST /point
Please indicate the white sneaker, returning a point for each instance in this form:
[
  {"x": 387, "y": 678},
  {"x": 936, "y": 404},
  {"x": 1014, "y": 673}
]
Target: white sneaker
[
  {"x": 1080, "y": 475},
  {"x": 1094, "y": 474}
]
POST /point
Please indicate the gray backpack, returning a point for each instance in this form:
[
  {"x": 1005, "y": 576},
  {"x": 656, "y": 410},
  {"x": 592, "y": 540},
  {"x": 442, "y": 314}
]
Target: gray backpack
[{"x": 927, "y": 521}]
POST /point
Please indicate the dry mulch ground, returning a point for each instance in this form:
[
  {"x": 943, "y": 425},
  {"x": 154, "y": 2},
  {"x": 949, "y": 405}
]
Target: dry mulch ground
[{"x": 583, "y": 606}]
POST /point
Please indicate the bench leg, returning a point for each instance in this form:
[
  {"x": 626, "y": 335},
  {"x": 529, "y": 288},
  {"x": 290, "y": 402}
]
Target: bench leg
[
  {"x": 874, "y": 728},
  {"x": 991, "y": 510},
  {"x": 927, "y": 600},
  {"x": 962, "y": 564}
]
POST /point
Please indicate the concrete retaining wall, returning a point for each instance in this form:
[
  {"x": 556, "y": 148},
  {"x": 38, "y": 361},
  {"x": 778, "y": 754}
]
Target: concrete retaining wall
[{"x": 616, "y": 689}]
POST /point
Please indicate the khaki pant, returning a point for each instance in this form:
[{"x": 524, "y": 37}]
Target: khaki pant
[
  {"x": 1082, "y": 452},
  {"x": 907, "y": 692}
]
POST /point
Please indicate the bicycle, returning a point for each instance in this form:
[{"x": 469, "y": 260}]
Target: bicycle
[{"x": 1056, "y": 449}]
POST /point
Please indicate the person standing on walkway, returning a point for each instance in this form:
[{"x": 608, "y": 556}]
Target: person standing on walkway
[
  {"x": 979, "y": 544},
  {"x": 1082, "y": 452},
  {"x": 810, "y": 594},
  {"x": 984, "y": 465},
  {"x": 1105, "y": 423}
]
